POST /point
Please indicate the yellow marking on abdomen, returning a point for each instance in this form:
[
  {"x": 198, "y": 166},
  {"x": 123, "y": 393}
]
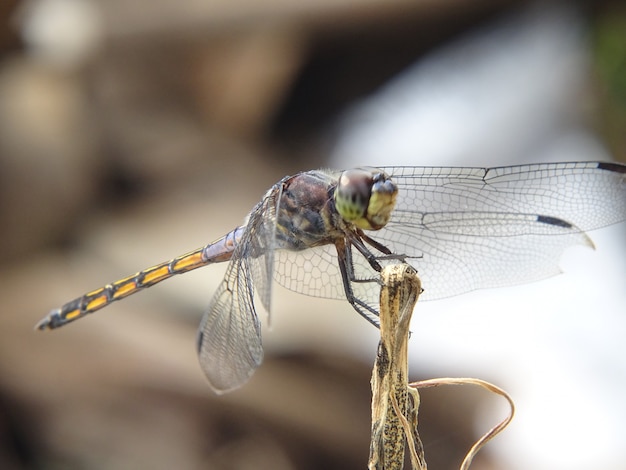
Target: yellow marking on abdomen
[
  {"x": 188, "y": 261},
  {"x": 156, "y": 274},
  {"x": 98, "y": 302},
  {"x": 72, "y": 314},
  {"x": 124, "y": 288},
  {"x": 95, "y": 293}
]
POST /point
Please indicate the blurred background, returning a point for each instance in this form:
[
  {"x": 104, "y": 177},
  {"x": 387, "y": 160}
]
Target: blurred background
[{"x": 132, "y": 132}]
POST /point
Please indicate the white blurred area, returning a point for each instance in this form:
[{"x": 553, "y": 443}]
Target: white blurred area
[
  {"x": 509, "y": 94},
  {"x": 61, "y": 33},
  {"x": 514, "y": 93}
]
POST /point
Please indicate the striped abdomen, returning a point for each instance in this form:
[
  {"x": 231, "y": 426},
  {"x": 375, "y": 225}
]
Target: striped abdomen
[{"x": 216, "y": 252}]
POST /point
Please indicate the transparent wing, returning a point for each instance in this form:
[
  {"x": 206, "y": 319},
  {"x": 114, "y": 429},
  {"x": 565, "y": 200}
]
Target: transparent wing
[
  {"x": 258, "y": 244},
  {"x": 588, "y": 195},
  {"x": 452, "y": 261},
  {"x": 313, "y": 271},
  {"x": 471, "y": 228},
  {"x": 229, "y": 337}
]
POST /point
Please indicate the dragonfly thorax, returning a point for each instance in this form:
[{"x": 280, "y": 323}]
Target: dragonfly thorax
[{"x": 365, "y": 197}]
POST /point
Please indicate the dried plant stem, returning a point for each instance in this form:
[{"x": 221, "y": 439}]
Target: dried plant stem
[
  {"x": 480, "y": 443},
  {"x": 394, "y": 404}
]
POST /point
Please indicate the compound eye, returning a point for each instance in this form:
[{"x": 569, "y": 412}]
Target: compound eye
[
  {"x": 365, "y": 197},
  {"x": 353, "y": 194}
]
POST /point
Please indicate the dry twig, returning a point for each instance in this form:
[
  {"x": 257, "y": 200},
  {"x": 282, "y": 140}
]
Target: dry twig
[{"x": 394, "y": 404}]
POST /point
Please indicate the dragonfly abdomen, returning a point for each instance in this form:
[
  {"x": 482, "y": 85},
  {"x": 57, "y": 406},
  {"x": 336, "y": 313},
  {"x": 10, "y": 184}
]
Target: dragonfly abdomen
[{"x": 216, "y": 252}]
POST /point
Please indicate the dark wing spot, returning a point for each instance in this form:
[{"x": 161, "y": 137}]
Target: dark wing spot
[
  {"x": 546, "y": 219},
  {"x": 616, "y": 167}
]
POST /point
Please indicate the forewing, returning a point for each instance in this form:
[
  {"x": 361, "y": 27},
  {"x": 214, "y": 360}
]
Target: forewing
[
  {"x": 470, "y": 228},
  {"x": 229, "y": 338},
  {"x": 588, "y": 195},
  {"x": 259, "y": 244}
]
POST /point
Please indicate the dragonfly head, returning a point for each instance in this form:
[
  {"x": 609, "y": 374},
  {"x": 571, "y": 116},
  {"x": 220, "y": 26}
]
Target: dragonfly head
[{"x": 366, "y": 197}]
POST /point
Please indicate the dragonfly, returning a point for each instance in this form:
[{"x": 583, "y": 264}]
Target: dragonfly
[{"x": 329, "y": 233}]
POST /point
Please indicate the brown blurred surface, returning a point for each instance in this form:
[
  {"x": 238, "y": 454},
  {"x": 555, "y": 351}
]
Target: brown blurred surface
[
  {"x": 124, "y": 391},
  {"x": 158, "y": 141}
]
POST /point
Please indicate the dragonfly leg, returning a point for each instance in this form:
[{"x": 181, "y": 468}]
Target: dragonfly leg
[
  {"x": 344, "y": 256},
  {"x": 379, "y": 246},
  {"x": 355, "y": 240},
  {"x": 387, "y": 253}
]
